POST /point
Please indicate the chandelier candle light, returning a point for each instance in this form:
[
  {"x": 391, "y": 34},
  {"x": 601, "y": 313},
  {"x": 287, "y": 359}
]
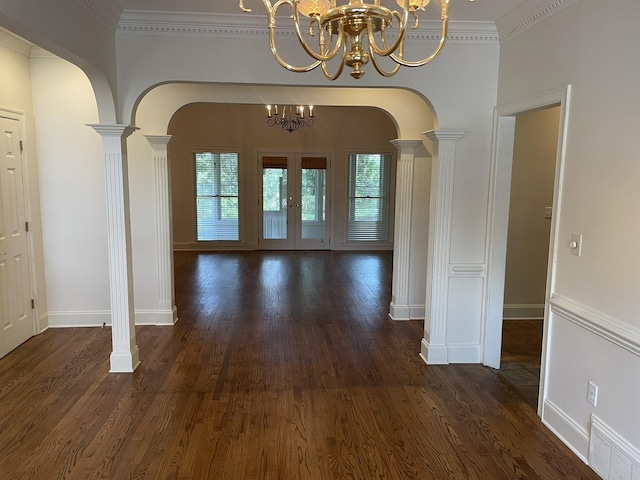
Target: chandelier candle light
[
  {"x": 290, "y": 121},
  {"x": 357, "y": 31}
]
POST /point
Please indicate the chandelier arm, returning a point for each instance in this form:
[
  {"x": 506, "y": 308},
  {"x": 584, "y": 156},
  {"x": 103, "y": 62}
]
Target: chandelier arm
[
  {"x": 340, "y": 68},
  {"x": 436, "y": 52},
  {"x": 374, "y": 60},
  {"x": 323, "y": 56},
  {"x": 272, "y": 43},
  {"x": 402, "y": 28}
]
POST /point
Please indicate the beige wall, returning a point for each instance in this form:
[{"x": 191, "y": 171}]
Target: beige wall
[
  {"x": 532, "y": 180},
  {"x": 337, "y": 131}
]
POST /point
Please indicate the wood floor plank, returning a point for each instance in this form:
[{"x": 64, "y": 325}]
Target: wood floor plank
[{"x": 283, "y": 365}]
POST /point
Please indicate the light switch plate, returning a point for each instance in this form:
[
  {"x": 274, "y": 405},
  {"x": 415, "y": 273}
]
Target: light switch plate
[
  {"x": 575, "y": 245},
  {"x": 548, "y": 213}
]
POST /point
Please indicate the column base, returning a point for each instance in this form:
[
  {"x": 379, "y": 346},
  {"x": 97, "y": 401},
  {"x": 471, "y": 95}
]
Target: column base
[
  {"x": 125, "y": 362},
  {"x": 434, "y": 354},
  {"x": 399, "y": 312}
]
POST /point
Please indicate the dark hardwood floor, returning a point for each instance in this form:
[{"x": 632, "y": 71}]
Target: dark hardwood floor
[
  {"x": 282, "y": 366},
  {"x": 521, "y": 356}
]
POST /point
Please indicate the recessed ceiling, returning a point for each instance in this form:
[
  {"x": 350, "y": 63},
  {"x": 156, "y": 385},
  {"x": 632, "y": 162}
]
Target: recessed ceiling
[{"x": 478, "y": 10}]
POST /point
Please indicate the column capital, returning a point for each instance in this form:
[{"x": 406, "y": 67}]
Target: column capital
[
  {"x": 445, "y": 134},
  {"x": 113, "y": 129},
  {"x": 406, "y": 145},
  {"x": 158, "y": 141}
]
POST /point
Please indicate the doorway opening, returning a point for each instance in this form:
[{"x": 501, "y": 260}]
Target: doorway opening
[
  {"x": 529, "y": 231},
  {"x": 498, "y": 222}
]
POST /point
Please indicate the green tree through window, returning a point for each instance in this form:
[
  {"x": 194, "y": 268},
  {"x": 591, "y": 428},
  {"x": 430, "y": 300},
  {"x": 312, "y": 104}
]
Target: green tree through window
[{"x": 217, "y": 196}]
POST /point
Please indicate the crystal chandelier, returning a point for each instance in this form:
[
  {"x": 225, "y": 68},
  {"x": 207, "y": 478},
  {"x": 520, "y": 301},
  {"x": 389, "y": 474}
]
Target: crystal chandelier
[
  {"x": 289, "y": 120},
  {"x": 357, "y": 31}
]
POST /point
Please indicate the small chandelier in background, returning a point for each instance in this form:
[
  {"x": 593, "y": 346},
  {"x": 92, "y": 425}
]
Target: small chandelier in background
[
  {"x": 290, "y": 120},
  {"x": 357, "y": 31}
]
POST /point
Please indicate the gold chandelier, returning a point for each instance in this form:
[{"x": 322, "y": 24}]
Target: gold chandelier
[{"x": 358, "y": 31}]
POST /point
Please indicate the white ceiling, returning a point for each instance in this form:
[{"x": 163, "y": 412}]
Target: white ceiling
[{"x": 464, "y": 10}]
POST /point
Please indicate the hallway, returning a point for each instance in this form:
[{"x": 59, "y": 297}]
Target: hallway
[{"x": 283, "y": 365}]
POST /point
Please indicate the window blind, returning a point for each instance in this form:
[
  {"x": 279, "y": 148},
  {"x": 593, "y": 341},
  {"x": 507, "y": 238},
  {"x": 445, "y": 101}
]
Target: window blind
[
  {"x": 217, "y": 196},
  {"x": 368, "y": 198}
]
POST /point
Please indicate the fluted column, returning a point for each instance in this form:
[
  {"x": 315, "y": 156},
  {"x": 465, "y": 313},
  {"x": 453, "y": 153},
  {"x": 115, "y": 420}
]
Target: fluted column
[
  {"x": 434, "y": 344},
  {"x": 125, "y": 356},
  {"x": 399, "y": 308},
  {"x": 167, "y": 312}
]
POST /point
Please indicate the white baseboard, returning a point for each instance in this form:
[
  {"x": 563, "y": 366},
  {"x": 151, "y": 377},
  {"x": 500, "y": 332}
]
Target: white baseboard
[
  {"x": 566, "y": 429},
  {"x": 93, "y": 318},
  {"x": 464, "y": 353},
  {"x": 98, "y": 318},
  {"x": 417, "y": 312},
  {"x": 523, "y": 311},
  {"x": 43, "y": 323},
  {"x": 406, "y": 312},
  {"x": 434, "y": 354},
  {"x": 399, "y": 312}
]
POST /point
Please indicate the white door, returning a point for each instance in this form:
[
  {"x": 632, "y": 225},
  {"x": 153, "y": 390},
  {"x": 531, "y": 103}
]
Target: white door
[
  {"x": 294, "y": 202},
  {"x": 16, "y": 318}
]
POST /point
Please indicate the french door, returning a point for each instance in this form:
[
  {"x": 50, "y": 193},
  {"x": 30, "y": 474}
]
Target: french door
[
  {"x": 16, "y": 319},
  {"x": 293, "y": 200}
]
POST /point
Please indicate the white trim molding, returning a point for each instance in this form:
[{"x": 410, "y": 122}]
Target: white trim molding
[
  {"x": 574, "y": 436},
  {"x": 106, "y": 11},
  {"x": 219, "y": 25},
  {"x": 15, "y": 43},
  {"x": 467, "y": 270},
  {"x": 620, "y": 333},
  {"x": 526, "y": 15}
]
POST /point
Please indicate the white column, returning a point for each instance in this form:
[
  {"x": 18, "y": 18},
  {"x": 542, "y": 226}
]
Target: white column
[
  {"x": 434, "y": 344},
  {"x": 399, "y": 308},
  {"x": 125, "y": 356},
  {"x": 167, "y": 312}
]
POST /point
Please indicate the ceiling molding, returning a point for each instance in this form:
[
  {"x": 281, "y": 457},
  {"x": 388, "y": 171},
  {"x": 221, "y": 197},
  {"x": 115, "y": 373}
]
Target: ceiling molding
[
  {"x": 253, "y": 26},
  {"x": 526, "y": 15},
  {"x": 105, "y": 11},
  {"x": 15, "y": 43}
]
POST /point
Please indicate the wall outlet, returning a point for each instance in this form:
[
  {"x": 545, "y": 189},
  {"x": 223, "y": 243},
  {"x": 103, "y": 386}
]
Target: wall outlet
[
  {"x": 548, "y": 213},
  {"x": 592, "y": 394}
]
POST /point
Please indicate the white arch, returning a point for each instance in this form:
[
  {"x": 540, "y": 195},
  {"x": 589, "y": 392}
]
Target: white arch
[{"x": 412, "y": 113}]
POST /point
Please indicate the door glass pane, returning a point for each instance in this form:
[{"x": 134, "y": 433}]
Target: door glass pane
[
  {"x": 274, "y": 203},
  {"x": 314, "y": 191}
]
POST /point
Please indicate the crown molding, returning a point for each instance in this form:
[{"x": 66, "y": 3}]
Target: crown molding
[
  {"x": 106, "y": 11},
  {"x": 15, "y": 43},
  {"x": 135, "y": 22},
  {"x": 527, "y": 14}
]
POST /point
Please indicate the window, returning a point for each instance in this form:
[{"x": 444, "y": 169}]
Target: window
[
  {"x": 368, "y": 202},
  {"x": 217, "y": 196}
]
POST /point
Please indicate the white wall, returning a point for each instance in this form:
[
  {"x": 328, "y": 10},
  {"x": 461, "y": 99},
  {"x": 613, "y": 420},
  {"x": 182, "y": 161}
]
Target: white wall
[
  {"x": 72, "y": 195},
  {"x": 80, "y": 32},
  {"x": 592, "y": 46},
  {"x": 15, "y": 94}
]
